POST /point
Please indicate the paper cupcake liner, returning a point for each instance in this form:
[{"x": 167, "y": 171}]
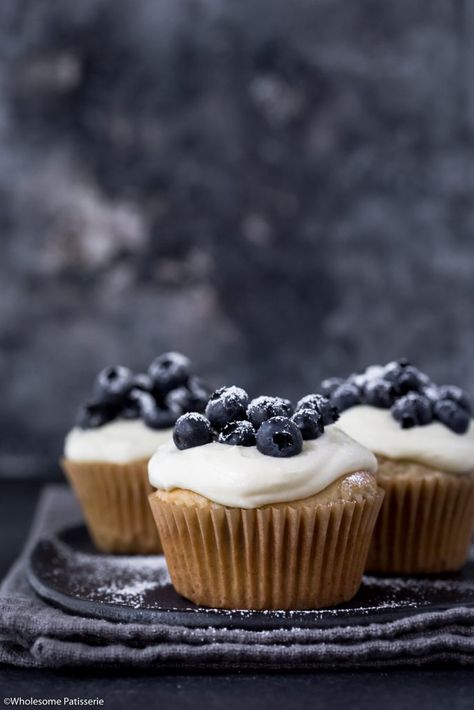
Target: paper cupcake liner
[
  {"x": 114, "y": 501},
  {"x": 426, "y": 522},
  {"x": 267, "y": 558}
]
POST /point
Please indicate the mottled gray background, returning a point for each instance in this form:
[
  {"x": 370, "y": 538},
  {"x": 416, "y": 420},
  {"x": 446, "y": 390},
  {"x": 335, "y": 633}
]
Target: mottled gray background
[{"x": 282, "y": 190}]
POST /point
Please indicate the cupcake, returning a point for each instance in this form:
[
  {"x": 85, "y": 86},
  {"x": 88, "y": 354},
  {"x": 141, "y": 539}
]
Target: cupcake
[
  {"x": 106, "y": 454},
  {"x": 261, "y": 508},
  {"x": 423, "y": 437}
]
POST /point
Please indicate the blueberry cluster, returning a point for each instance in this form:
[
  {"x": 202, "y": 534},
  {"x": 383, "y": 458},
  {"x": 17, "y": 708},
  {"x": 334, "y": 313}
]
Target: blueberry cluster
[
  {"x": 413, "y": 399},
  {"x": 158, "y": 397},
  {"x": 271, "y": 424}
]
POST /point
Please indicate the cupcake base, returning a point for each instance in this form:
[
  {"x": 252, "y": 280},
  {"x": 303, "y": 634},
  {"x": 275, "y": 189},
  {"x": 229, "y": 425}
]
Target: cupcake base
[
  {"x": 298, "y": 555},
  {"x": 426, "y": 522},
  {"x": 114, "y": 501}
]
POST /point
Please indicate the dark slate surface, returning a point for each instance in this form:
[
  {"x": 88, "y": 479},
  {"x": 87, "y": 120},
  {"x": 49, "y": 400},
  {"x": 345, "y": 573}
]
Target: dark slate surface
[
  {"x": 282, "y": 190},
  {"x": 425, "y": 690}
]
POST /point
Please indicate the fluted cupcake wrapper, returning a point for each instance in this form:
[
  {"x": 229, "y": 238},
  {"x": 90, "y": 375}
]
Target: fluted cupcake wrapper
[
  {"x": 114, "y": 501},
  {"x": 425, "y": 525},
  {"x": 267, "y": 558}
]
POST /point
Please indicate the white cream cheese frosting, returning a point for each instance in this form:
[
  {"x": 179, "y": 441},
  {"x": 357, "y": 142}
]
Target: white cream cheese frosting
[
  {"x": 120, "y": 441},
  {"x": 433, "y": 445},
  {"x": 242, "y": 477}
]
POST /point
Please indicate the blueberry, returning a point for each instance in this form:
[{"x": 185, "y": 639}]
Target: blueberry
[
  {"x": 280, "y": 437},
  {"x": 180, "y": 400},
  {"x": 112, "y": 384},
  {"x": 95, "y": 414},
  {"x": 192, "y": 398},
  {"x": 192, "y": 429},
  {"x": 130, "y": 407},
  {"x": 411, "y": 380},
  {"x": 143, "y": 400},
  {"x": 320, "y": 404},
  {"x": 432, "y": 392},
  {"x": 138, "y": 398},
  {"x": 412, "y": 409},
  {"x": 373, "y": 372},
  {"x": 225, "y": 405},
  {"x": 452, "y": 415},
  {"x": 379, "y": 393},
  {"x": 200, "y": 392},
  {"x": 169, "y": 371},
  {"x": 262, "y": 408},
  {"x": 394, "y": 369},
  {"x": 330, "y": 384},
  {"x": 153, "y": 414},
  {"x": 345, "y": 396},
  {"x": 142, "y": 381},
  {"x": 357, "y": 379},
  {"x": 239, "y": 433},
  {"x": 455, "y": 394},
  {"x": 309, "y": 422},
  {"x": 405, "y": 377},
  {"x": 159, "y": 417}
]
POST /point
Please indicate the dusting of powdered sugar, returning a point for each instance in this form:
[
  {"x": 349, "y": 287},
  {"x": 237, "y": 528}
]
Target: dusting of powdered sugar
[
  {"x": 130, "y": 594},
  {"x": 111, "y": 579}
]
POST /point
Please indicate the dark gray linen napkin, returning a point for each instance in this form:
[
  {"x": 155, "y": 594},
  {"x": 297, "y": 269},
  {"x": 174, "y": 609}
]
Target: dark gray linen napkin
[{"x": 37, "y": 635}]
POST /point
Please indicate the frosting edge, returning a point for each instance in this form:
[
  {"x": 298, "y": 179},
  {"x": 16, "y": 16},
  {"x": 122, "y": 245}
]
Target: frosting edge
[
  {"x": 433, "y": 444},
  {"x": 242, "y": 477}
]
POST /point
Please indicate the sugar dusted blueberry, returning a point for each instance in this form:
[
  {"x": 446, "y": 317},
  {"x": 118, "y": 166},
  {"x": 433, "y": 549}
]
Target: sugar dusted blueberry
[
  {"x": 373, "y": 372},
  {"x": 392, "y": 370},
  {"x": 142, "y": 381},
  {"x": 379, "y": 393},
  {"x": 321, "y": 404},
  {"x": 432, "y": 392},
  {"x": 357, "y": 379},
  {"x": 452, "y": 415},
  {"x": 125, "y": 395},
  {"x": 262, "y": 408},
  {"x": 225, "y": 405},
  {"x": 345, "y": 396},
  {"x": 279, "y": 437},
  {"x": 130, "y": 407},
  {"x": 154, "y": 415},
  {"x": 412, "y": 409},
  {"x": 200, "y": 393},
  {"x": 411, "y": 380},
  {"x": 239, "y": 433},
  {"x": 405, "y": 377},
  {"x": 190, "y": 398},
  {"x": 330, "y": 384},
  {"x": 180, "y": 400},
  {"x": 112, "y": 384},
  {"x": 394, "y": 366},
  {"x": 413, "y": 399},
  {"x": 192, "y": 429},
  {"x": 169, "y": 371},
  {"x": 456, "y": 394},
  {"x": 159, "y": 417},
  {"x": 95, "y": 414},
  {"x": 309, "y": 422}
]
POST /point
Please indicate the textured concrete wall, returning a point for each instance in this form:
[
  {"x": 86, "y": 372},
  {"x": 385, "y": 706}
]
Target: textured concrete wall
[{"x": 283, "y": 190}]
